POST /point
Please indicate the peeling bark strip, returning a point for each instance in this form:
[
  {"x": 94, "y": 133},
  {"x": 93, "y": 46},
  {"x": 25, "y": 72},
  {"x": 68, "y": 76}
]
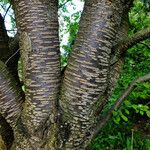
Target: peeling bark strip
[
  {"x": 37, "y": 23},
  {"x": 87, "y": 75},
  {"x": 10, "y": 97}
]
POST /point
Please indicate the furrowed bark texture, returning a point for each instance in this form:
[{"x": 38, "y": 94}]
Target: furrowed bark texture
[
  {"x": 37, "y": 23},
  {"x": 86, "y": 80}
]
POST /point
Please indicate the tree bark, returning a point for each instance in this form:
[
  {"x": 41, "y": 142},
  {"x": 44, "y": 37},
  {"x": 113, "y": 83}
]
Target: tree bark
[
  {"x": 86, "y": 79},
  {"x": 5, "y": 86},
  {"x": 66, "y": 117},
  {"x": 37, "y": 23},
  {"x": 10, "y": 102}
]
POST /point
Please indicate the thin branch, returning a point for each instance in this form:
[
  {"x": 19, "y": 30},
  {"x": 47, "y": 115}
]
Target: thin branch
[
  {"x": 7, "y": 11},
  {"x": 122, "y": 47},
  {"x": 131, "y": 41},
  {"x": 120, "y": 101},
  {"x": 11, "y": 57},
  {"x": 2, "y": 6},
  {"x": 148, "y": 103}
]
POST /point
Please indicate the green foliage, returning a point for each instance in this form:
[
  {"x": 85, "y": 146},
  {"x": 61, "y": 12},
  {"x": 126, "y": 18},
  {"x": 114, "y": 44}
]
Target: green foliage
[
  {"x": 147, "y": 143},
  {"x": 137, "y": 63},
  {"x": 139, "y": 16},
  {"x": 137, "y": 102},
  {"x": 4, "y": 1},
  {"x": 69, "y": 17},
  {"x": 119, "y": 137}
]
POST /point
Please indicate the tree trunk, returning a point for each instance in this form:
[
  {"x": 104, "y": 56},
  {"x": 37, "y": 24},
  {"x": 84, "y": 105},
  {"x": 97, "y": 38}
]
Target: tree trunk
[
  {"x": 37, "y": 23},
  {"x": 87, "y": 80},
  {"x": 62, "y": 112}
]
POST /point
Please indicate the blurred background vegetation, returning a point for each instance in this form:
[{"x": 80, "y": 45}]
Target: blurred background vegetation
[{"x": 129, "y": 129}]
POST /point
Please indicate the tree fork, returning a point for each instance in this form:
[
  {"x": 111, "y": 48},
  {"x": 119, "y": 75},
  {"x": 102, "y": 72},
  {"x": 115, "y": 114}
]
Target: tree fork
[{"x": 43, "y": 121}]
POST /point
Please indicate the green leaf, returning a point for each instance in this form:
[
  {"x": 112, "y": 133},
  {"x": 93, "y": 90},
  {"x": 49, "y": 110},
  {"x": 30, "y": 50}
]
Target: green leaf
[
  {"x": 116, "y": 120},
  {"x": 128, "y": 144},
  {"x": 113, "y": 137},
  {"x": 142, "y": 112},
  {"x": 127, "y": 111},
  {"x": 145, "y": 107},
  {"x": 135, "y": 107},
  {"x": 123, "y": 117},
  {"x": 115, "y": 113},
  {"x": 127, "y": 103},
  {"x": 148, "y": 113}
]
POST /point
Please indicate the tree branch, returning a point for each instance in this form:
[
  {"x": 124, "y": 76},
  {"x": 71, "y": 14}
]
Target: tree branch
[
  {"x": 10, "y": 97},
  {"x": 121, "y": 100},
  {"x": 7, "y": 11},
  {"x": 14, "y": 48},
  {"x": 123, "y": 46},
  {"x": 131, "y": 41}
]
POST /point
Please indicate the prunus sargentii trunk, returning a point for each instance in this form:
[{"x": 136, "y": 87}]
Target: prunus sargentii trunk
[
  {"x": 37, "y": 24},
  {"x": 87, "y": 79}
]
